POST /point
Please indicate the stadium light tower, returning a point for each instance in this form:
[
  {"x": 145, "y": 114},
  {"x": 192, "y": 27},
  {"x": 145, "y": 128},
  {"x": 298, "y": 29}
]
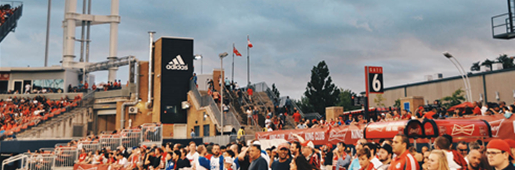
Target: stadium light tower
[
  {"x": 222, "y": 56},
  {"x": 463, "y": 73},
  {"x": 201, "y": 58}
]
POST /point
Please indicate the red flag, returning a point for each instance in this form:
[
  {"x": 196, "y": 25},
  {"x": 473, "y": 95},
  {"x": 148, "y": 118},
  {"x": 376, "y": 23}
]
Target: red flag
[
  {"x": 250, "y": 44},
  {"x": 235, "y": 51}
]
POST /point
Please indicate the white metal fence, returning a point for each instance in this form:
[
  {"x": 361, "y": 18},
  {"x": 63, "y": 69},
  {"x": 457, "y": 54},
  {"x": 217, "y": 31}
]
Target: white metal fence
[
  {"x": 66, "y": 156},
  {"x": 41, "y": 162},
  {"x": 110, "y": 141},
  {"x": 131, "y": 137}
]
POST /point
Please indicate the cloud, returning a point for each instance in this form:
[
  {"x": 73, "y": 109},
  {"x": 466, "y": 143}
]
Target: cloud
[{"x": 289, "y": 37}]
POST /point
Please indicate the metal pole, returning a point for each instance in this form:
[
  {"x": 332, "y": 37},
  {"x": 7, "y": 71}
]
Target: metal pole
[
  {"x": 149, "y": 98},
  {"x": 248, "y": 65},
  {"x": 47, "y": 31},
  {"x": 88, "y": 32},
  {"x": 462, "y": 77},
  {"x": 510, "y": 16},
  {"x": 222, "y": 94},
  {"x": 202, "y": 65},
  {"x": 232, "y": 71},
  {"x": 466, "y": 78},
  {"x": 82, "y": 33}
]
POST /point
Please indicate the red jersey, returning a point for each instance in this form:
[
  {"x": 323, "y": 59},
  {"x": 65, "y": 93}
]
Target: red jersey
[
  {"x": 296, "y": 116},
  {"x": 477, "y": 111},
  {"x": 82, "y": 157},
  {"x": 370, "y": 167},
  {"x": 314, "y": 160},
  {"x": 250, "y": 91},
  {"x": 406, "y": 117},
  {"x": 429, "y": 115},
  {"x": 405, "y": 161}
]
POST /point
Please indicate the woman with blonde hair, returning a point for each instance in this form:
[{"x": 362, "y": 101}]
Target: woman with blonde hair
[{"x": 437, "y": 161}]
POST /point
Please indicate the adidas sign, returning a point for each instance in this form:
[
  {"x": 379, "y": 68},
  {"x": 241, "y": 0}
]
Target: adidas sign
[{"x": 177, "y": 64}]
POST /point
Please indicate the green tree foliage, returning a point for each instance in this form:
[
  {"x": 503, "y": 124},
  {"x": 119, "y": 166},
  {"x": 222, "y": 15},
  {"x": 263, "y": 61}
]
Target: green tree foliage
[
  {"x": 379, "y": 100},
  {"x": 304, "y": 105},
  {"x": 321, "y": 90},
  {"x": 275, "y": 91},
  {"x": 346, "y": 100},
  {"x": 456, "y": 98},
  {"x": 488, "y": 63},
  {"x": 397, "y": 103},
  {"x": 507, "y": 62}
]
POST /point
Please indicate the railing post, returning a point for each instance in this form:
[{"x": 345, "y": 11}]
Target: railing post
[{"x": 510, "y": 16}]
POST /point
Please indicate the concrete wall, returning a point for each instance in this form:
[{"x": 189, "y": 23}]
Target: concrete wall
[
  {"x": 60, "y": 129},
  {"x": 501, "y": 81},
  {"x": 71, "y": 77},
  {"x": 196, "y": 117}
]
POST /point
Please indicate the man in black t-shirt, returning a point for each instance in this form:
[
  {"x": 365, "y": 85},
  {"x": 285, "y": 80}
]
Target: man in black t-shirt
[{"x": 284, "y": 159}]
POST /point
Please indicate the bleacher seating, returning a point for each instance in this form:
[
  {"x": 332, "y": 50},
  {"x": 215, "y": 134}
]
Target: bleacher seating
[{"x": 20, "y": 114}]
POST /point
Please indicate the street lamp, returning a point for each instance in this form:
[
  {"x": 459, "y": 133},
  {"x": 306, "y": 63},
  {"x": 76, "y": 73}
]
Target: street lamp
[
  {"x": 222, "y": 56},
  {"x": 463, "y": 73},
  {"x": 201, "y": 58}
]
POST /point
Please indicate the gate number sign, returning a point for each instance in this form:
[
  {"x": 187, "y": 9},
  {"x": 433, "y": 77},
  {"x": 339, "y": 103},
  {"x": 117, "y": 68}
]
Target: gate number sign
[{"x": 374, "y": 79}]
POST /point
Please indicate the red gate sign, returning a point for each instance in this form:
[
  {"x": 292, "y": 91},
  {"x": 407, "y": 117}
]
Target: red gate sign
[
  {"x": 388, "y": 130},
  {"x": 374, "y": 78},
  {"x": 4, "y": 76}
]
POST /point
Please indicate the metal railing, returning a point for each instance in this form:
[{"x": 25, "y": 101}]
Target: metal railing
[
  {"x": 66, "y": 156},
  {"x": 13, "y": 159},
  {"x": 152, "y": 134},
  {"x": 110, "y": 141},
  {"x": 505, "y": 24},
  {"x": 131, "y": 137},
  {"x": 89, "y": 146},
  {"x": 41, "y": 161}
]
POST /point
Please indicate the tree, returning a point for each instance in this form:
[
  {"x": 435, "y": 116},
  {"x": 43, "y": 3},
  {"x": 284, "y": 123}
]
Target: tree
[
  {"x": 346, "y": 100},
  {"x": 488, "y": 64},
  {"x": 379, "y": 100},
  {"x": 321, "y": 91},
  {"x": 304, "y": 105},
  {"x": 456, "y": 98},
  {"x": 397, "y": 103},
  {"x": 507, "y": 62},
  {"x": 275, "y": 91}
]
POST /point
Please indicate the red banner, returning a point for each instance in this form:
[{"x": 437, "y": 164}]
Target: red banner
[
  {"x": 92, "y": 167},
  {"x": 463, "y": 129},
  {"x": 347, "y": 134},
  {"x": 317, "y": 135}
]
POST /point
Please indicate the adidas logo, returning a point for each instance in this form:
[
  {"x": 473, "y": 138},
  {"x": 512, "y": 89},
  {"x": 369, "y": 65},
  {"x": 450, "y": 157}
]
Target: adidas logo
[{"x": 177, "y": 64}]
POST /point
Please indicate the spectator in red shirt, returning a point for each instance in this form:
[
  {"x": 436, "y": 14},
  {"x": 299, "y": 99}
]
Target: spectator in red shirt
[
  {"x": 405, "y": 115},
  {"x": 296, "y": 117},
  {"x": 477, "y": 108},
  {"x": 250, "y": 93},
  {"x": 396, "y": 115},
  {"x": 404, "y": 159}
]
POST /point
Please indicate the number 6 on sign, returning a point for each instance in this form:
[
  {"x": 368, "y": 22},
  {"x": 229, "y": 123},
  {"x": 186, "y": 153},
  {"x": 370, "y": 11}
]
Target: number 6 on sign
[
  {"x": 376, "y": 84},
  {"x": 374, "y": 79}
]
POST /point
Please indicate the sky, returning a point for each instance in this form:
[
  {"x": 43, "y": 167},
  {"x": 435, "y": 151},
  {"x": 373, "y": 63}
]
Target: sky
[{"x": 406, "y": 38}]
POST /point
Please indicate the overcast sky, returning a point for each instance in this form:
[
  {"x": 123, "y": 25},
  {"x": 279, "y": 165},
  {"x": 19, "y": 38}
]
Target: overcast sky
[{"x": 406, "y": 38}]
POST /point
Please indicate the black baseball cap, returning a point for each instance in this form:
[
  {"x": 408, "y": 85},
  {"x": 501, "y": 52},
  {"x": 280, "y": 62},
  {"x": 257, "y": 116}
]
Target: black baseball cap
[{"x": 387, "y": 147}]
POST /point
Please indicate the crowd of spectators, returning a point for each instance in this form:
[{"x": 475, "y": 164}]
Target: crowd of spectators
[
  {"x": 23, "y": 112},
  {"x": 84, "y": 87},
  {"x": 5, "y": 12}
]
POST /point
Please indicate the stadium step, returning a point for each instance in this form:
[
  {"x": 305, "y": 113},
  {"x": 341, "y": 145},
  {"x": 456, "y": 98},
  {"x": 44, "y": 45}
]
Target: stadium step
[
  {"x": 29, "y": 133},
  {"x": 10, "y": 24}
]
